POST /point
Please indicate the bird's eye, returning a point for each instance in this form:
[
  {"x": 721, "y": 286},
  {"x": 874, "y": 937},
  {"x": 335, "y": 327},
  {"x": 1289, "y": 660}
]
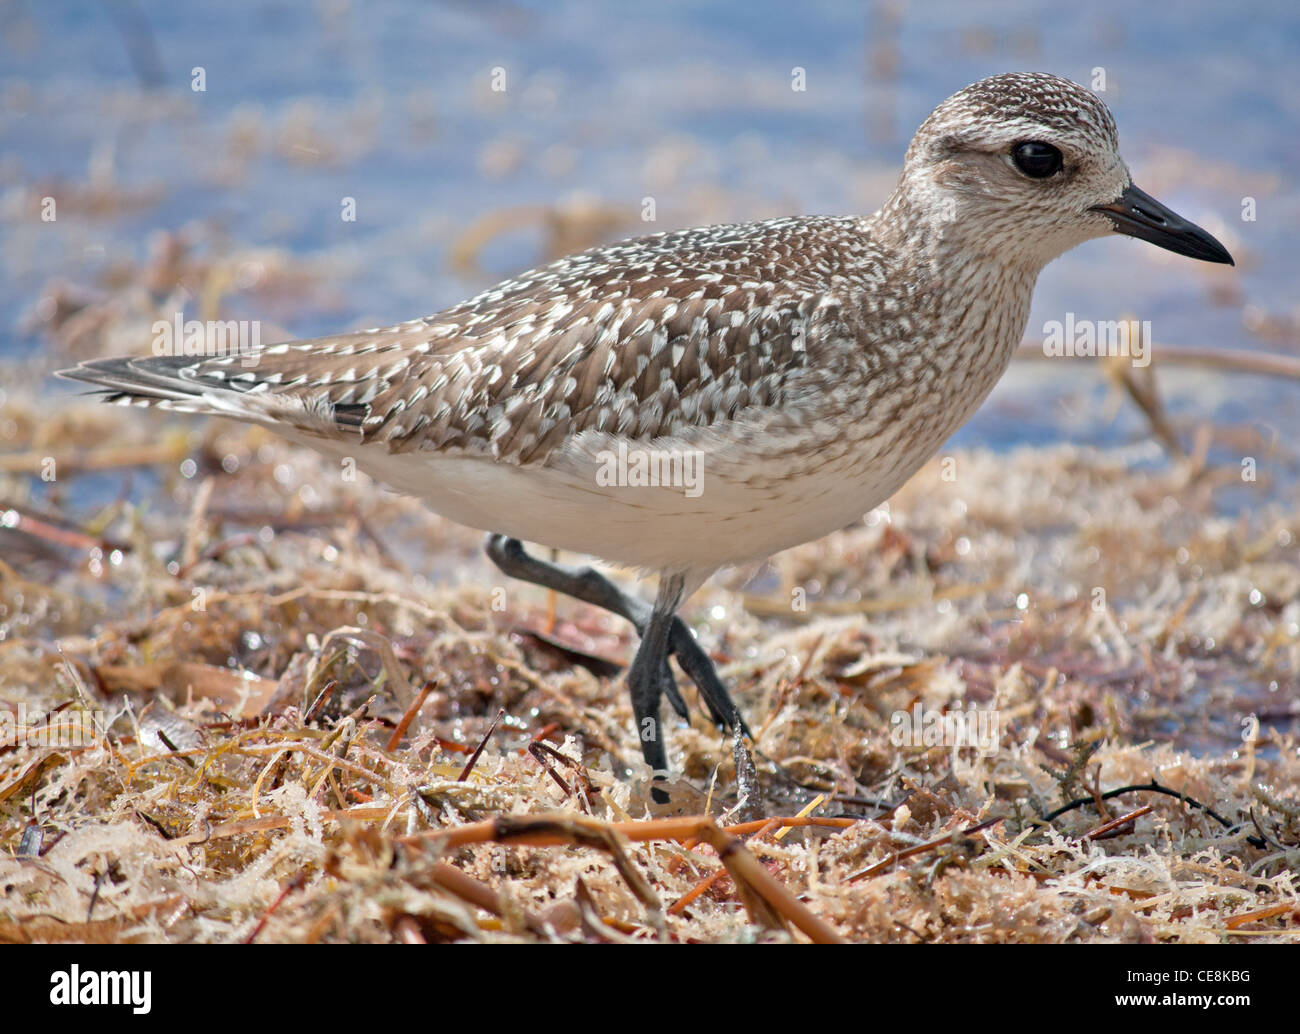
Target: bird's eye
[{"x": 1036, "y": 159}]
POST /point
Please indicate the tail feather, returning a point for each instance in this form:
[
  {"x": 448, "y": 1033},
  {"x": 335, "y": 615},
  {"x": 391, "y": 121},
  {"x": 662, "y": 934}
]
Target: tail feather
[
  {"x": 140, "y": 379},
  {"x": 178, "y": 383},
  {"x": 349, "y": 384}
]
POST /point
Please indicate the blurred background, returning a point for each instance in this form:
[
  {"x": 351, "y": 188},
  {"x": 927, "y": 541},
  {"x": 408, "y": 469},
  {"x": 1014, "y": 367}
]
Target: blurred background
[
  {"x": 202, "y": 159},
  {"x": 479, "y": 139}
]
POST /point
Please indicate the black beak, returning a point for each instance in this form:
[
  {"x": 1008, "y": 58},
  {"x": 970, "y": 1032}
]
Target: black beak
[{"x": 1137, "y": 214}]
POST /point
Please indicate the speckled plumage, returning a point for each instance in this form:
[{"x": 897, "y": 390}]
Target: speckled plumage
[{"x": 813, "y": 363}]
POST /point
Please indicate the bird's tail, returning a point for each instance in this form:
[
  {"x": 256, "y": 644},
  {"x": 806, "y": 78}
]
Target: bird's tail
[
  {"x": 187, "y": 384},
  {"x": 147, "y": 380}
]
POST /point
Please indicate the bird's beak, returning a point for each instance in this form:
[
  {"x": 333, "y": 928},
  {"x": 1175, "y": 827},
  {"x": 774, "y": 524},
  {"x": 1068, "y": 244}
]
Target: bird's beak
[{"x": 1137, "y": 214}]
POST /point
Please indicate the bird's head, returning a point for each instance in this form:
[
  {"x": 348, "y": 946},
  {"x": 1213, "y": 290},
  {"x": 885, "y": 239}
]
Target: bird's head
[{"x": 1026, "y": 166}]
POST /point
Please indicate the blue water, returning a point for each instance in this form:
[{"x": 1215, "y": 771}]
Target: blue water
[{"x": 688, "y": 103}]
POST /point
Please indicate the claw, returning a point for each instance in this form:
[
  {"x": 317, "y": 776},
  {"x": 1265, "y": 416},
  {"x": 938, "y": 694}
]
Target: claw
[{"x": 648, "y": 679}]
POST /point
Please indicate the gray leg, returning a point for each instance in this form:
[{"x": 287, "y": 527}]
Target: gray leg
[
  {"x": 582, "y": 583},
  {"x": 590, "y": 586},
  {"x": 649, "y": 678}
]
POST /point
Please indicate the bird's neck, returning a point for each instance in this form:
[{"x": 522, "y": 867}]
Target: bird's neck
[
  {"x": 928, "y": 227},
  {"x": 978, "y": 289}
]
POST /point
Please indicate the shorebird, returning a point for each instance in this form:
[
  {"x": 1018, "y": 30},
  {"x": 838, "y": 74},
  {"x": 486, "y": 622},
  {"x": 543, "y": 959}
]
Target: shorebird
[{"x": 702, "y": 398}]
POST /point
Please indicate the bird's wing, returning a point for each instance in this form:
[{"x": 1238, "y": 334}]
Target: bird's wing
[{"x": 639, "y": 339}]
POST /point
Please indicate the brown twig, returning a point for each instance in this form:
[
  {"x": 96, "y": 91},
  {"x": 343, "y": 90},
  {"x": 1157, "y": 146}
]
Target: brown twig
[
  {"x": 764, "y": 897},
  {"x": 915, "y": 849},
  {"x": 326, "y": 692},
  {"x": 479, "y": 894},
  {"x": 72, "y": 538},
  {"x": 676, "y": 829},
  {"x": 473, "y": 758},
  {"x": 293, "y": 884},
  {"x": 681, "y": 904},
  {"x": 409, "y": 715},
  {"x": 537, "y": 749},
  {"x": 1262, "y": 913},
  {"x": 1113, "y": 825}
]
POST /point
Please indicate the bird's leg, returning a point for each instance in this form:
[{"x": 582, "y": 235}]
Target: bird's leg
[
  {"x": 649, "y": 677},
  {"x": 590, "y": 586},
  {"x": 582, "y": 583}
]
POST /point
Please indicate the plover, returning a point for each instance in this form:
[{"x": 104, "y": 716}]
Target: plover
[{"x": 701, "y": 398}]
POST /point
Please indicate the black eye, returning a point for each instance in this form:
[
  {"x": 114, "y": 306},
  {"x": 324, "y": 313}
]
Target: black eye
[{"x": 1036, "y": 159}]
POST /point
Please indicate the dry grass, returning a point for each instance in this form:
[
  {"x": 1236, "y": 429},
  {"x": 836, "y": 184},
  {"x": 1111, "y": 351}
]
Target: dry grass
[{"x": 264, "y": 762}]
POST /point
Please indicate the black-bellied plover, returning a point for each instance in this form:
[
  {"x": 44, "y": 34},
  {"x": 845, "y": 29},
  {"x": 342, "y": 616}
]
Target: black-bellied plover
[{"x": 701, "y": 398}]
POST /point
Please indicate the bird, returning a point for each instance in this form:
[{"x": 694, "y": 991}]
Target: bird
[{"x": 703, "y": 398}]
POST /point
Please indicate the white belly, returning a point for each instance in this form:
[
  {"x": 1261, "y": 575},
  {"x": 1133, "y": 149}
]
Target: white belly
[{"x": 738, "y": 505}]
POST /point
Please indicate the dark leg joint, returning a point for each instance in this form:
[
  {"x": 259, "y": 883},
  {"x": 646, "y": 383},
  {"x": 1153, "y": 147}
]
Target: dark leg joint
[{"x": 655, "y": 677}]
